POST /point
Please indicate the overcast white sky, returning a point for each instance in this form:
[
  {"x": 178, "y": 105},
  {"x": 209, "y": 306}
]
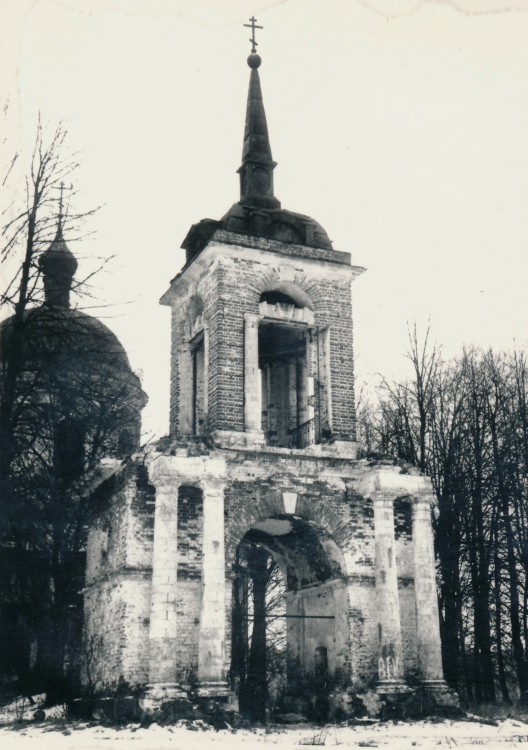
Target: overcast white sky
[{"x": 400, "y": 126}]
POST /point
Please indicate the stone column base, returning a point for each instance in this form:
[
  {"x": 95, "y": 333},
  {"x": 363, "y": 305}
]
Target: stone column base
[
  {"x": 342, "y": 448},
  {"x": 392, "y": 687},
  {"x": 158, "y": 693},
  {"x": 213, "y": 690},
  {"x": 440, "y": 692},
  {"x": 235, "y": 439}
]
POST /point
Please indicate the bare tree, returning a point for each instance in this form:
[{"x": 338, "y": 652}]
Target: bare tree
[
  {"x": 259, "y": 630},
  {"x": 465, "y": 423},
  {"x": 67, "y": 397}
]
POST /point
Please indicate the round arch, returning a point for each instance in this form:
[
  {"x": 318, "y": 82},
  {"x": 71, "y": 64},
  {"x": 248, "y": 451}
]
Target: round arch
[
  {"x": 272, "y": 504},
  {"x": 292, "y": 290}
]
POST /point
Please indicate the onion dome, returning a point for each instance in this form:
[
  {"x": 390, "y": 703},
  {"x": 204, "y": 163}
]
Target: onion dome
[{"x": 58, "y": 265}]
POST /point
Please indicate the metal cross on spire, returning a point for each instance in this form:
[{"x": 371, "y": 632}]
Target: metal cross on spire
[
  {"x": 61, "y": 205},
  {"x": 253, "y": 25}
]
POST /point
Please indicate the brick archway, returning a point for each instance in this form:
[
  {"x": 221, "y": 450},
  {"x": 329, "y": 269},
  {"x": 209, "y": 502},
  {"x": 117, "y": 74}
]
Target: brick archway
[
  {"x": 314, "y": 656},
  {"x": 272, "y": 504}
]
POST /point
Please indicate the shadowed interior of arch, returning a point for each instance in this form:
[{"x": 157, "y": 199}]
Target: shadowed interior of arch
[
  {"x": 284, "y": 370},
  {"x": 293, "y": 361},
  {"x": 289, "y": 641}
]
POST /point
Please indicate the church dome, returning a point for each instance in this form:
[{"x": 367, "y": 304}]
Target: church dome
[
  {"x": 63, "y": 334},
  {"x": 56, "y": 332},
  {"x": 72, "y": 359},
  {"x": 58, "y": 258}
]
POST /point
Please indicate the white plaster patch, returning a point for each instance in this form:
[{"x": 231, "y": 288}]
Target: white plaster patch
[
  {"x": 274, "y": 526},
  {"x": 289, "y": 500}
]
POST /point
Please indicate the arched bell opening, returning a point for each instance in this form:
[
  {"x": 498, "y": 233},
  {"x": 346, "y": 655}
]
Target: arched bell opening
[
  {"x": 289, "y": 626},
  {"x": 294, "y": 367},
  {"x": 287, "y": 406}
]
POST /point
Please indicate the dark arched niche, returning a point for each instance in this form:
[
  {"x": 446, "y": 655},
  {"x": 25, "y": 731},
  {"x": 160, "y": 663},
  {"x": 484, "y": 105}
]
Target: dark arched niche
[{"x": 292, "y": 294}]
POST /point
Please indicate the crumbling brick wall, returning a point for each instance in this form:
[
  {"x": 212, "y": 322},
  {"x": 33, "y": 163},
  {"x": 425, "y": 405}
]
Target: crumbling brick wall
[
  {"x": 190, "y": 538},
  {"x": 118, "y": 572},
  {"x": 119, "y": 564},
  {"x": 405, "y": 563}
]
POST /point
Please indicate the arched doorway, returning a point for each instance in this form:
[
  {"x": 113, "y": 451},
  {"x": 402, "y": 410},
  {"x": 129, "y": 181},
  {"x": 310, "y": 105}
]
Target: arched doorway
[{"x": 289, "y": 626}]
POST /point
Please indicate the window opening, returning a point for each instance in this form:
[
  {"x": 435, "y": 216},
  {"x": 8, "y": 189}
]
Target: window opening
[{"x": 284, "y": 370}]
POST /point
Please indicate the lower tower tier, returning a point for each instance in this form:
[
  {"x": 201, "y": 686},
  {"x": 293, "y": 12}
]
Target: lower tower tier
[{"x": 275, "y": 580}]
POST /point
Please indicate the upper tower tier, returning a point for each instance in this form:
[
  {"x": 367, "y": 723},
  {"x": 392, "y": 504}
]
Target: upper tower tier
[{"x": 262, "y": 351}]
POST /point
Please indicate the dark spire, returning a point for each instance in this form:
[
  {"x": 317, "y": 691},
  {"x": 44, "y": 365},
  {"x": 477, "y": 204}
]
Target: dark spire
[
  {"x": 58, "y": 265},
  {"x": 256, "y": 171}
]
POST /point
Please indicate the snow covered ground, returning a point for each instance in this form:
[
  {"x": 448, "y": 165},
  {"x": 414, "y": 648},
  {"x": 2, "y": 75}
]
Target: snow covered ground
[{"x": 425, "y": 735}]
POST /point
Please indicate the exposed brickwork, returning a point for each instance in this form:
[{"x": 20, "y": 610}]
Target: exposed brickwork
[
  {"x": 340, "y": 520},
  {"x": 199, "y": 389},
  {"x": 408, "y": 629},
  {"x": 289, "y": 249},
  {"x": 363, "y": 632},
  {"x": 261, "y": 463},
  {"x": 116, "y": 631},
  {"x": 190, "y": 532},
  {"x": 122, "y": 527},
  {"x": 230, "y": 288},
  {"x": 403, "y": 519},
  {"x": 361, "y": 554},
  {"x": 188, "y": 614},
  {"x": 176, "y": 336},
  {"x": 118, "y": 570}
]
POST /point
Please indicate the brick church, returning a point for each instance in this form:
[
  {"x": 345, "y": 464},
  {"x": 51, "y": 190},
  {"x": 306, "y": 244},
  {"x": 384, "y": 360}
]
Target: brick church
[{"x": 261, "y": 481}]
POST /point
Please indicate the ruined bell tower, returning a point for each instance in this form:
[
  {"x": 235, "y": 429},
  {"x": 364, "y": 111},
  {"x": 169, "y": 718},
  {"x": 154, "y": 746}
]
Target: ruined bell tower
[{"x": 259, "y": 495}]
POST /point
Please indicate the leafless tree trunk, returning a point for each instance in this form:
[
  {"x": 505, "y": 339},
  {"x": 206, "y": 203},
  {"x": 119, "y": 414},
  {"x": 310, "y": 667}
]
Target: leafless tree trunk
[
  {"x": 62, "y": 404},
  {"x": 465, "y": 423}
]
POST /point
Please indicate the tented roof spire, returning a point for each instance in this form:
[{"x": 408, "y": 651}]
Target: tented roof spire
[{"x": 256, "y": 171}]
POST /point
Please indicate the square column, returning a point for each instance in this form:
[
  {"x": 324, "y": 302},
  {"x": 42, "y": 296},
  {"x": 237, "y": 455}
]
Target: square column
[
  {"x": 252, "y": 378},
  {"x": 390, "y": 661},
  {"x": 163, "y": 633},
  {"x": 211, "y": 657},
  {"x": 426, "y": 596}
]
